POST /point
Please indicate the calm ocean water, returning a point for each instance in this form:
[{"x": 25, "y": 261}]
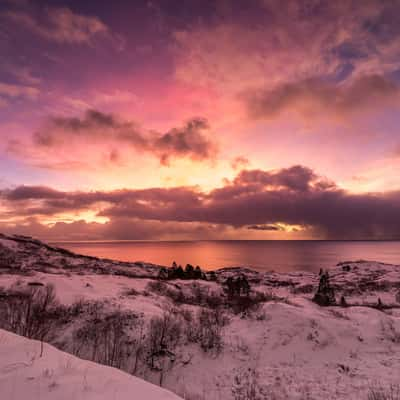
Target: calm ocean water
[{"x": 259, "y": 255}]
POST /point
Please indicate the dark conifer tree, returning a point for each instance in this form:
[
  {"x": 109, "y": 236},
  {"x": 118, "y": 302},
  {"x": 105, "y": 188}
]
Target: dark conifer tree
[
  {"x": 179, "y": 273},
  {"x": 189, "y": 271},
  {"x": 198, "y": 274},
  {"x": 325, "y": 295}
]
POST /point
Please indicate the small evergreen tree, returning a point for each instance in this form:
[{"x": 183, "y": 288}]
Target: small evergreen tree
[
  {"x": 179, "y": 273},
  {"x": 189, "y": 271},
  {"x": 229, "y": 287},
  {"x": 198, "y": 274},
  {"x": 325, "y": 295}
]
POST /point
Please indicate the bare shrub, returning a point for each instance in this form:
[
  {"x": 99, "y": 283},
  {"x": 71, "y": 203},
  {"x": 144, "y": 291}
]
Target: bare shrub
[
  {"x": 205, "y": 327},
  {"x": 131, "y": 292},
  {"x": 177, "y": 296},
  {"x": 191, "y": 330},
  {"x": 137, "y": 347},
  {"x": 214, "y": 300},
  {"x": 209, "y": 325},
  {"x": 157, "y": 286},
  {"x": 398, "y": 296},
  {"x": 251, "y": 303},
  {"x": 203, "y": 296},
  {"x": 378, "y": 392},
  {"x": 246, "y": 386},
  {"x": 76, "y": 308},
  {"x": 164, "y": 334},
  {"x": 164, "y": 289},
  {"x": 30, "y": 312},
  {"x": 198, "y": 292},
  {"x": 195, "y": 294},
  {"x": 113, "y": 340},
  {"x": 105, "y": 338},
  {"x": 303, "y": 289},
  {"x": 389, "y": 331}
]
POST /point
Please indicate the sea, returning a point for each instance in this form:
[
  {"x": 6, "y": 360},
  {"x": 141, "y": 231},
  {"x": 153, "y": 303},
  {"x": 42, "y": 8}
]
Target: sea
[{"x": 260, "y": 255}]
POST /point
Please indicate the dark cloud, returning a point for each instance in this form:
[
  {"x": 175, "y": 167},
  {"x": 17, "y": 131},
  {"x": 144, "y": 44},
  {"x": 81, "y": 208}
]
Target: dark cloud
[
  {"x": 93, "y": 126},
  {"x": 316, "y": 97},
  {"x": 257, "y": 199},
  {"x": 188, "y": 140},
  {"x": 32, "y": 192},
  {"x": 191, "y": 140},
  {"x": 265, "y": 227},
  {"x": 297, "y": 177}
]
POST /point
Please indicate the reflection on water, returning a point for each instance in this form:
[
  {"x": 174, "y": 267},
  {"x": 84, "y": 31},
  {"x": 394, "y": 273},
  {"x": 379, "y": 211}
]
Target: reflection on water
[{"x": 259, "y": 255}]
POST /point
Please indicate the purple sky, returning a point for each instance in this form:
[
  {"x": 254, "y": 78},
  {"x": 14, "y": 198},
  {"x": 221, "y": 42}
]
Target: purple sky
[{"x": 198, "y": 119}]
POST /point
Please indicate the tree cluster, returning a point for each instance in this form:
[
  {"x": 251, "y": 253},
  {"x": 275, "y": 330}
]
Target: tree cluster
[
  {"x": 177, "y": 272},
  {"x": 237, "y": 287}
]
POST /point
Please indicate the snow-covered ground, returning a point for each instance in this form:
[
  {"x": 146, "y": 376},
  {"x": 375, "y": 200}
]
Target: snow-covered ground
[
  {"x": 286, "y": 348},
  {"x": 28, "y": 371}
]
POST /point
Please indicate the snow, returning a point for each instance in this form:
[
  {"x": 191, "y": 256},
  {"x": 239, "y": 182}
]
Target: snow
[
  {"x": 300, "y": 349},
  {"x": 27, "y": 372},
  {"x": 296, "y": 349}
]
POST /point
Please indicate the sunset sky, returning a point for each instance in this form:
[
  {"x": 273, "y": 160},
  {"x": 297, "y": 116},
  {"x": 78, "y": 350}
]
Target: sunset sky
[{"x": 197, "y": 119}]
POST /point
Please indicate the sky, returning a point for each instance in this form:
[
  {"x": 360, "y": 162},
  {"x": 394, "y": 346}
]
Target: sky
[{"x": 200, "y": 119}]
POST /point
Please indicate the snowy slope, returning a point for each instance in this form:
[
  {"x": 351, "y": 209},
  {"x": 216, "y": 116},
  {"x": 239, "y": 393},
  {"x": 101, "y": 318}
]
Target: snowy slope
[
  {"x": 289, "y": 348},
  {"x": 21, "y": 253},
  {"x": 25, "y": 374}
]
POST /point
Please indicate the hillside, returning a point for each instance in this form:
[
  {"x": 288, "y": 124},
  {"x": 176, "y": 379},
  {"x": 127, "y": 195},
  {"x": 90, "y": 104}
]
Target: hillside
[
  {"x": 28, "y": 371},
  {"x": 190, "y": 337}
]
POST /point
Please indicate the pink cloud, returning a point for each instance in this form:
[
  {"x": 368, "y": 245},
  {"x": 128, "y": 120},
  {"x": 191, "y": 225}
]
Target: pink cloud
[{"x": 60, "y": 24}]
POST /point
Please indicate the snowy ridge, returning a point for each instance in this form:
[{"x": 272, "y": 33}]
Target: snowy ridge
[
  {"x": 29, "y": 372},
  {"x": 22, "y": 253}
]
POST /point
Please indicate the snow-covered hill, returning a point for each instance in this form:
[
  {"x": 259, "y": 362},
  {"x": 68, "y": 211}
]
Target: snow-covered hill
[
  {"x": 284, "y": 346},
  {"x": 28, "y": 371},
  {"x": 22, "y": 253}
]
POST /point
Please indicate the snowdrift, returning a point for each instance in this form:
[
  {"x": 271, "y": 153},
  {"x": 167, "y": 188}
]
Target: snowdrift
[{"x": 30, "y": 370}]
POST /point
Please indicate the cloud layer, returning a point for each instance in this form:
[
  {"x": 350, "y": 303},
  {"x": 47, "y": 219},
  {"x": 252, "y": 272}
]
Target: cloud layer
[
  {"x": 71, "y": 135},
  {"x": 254, "y": 200},
  {"x": 316, "y": 97},
  {"x": 316, "y": 58}
]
